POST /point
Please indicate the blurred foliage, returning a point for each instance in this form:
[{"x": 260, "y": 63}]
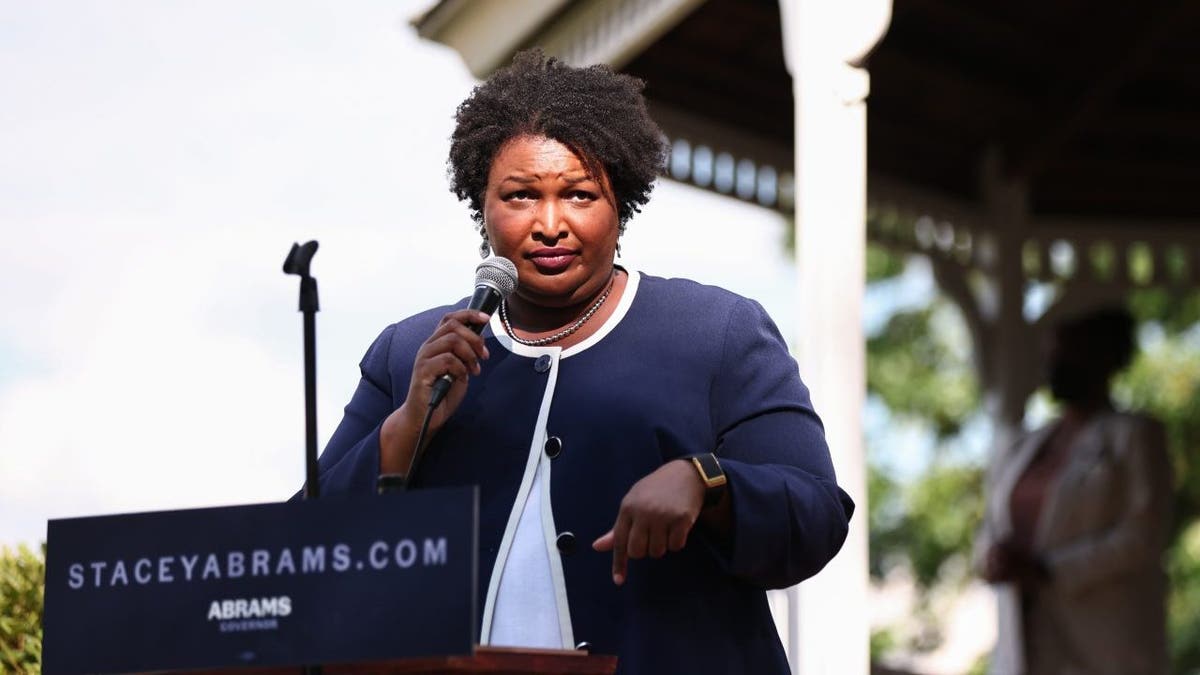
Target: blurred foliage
[
  {"x": 981, "y": 665},
  {"x": 1164, "y": 381},
  {"x": 1175, "y": 312},
  {"x": 882, "y": 264},
  {"x": 926, "y": 523},
  {"x": 21, "y": 577},
  {"x": 883, "y": 641},
  {"x": 886, "y": 528},
  {"x": 918, "y": 371},
  {"x": 1183, "y": 611},
  {"x": 919, "y": 366}
]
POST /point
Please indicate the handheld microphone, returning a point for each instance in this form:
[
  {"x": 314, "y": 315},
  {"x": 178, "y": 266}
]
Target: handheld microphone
[{"x": 495, "y": 280}]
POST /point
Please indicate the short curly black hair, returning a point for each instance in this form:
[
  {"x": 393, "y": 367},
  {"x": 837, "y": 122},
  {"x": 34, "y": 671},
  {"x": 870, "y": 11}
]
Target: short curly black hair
[{"x": 600, "y": 115}]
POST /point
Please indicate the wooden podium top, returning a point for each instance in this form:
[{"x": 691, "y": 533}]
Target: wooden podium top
[{"x": 490, "y": 660}]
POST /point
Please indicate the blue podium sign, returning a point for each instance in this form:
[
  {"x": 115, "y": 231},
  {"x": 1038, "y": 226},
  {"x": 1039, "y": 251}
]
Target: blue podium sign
[{"x": 328, "y": 581}]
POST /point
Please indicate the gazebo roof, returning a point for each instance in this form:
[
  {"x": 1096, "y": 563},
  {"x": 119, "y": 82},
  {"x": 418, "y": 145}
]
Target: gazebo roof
[
  {"x": 1094, "y": 105},
  {"x": 724, "y": 62},
  {"x": 1094, "y": 108}
]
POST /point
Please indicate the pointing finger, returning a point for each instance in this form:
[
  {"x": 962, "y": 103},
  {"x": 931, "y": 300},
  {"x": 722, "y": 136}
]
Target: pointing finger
[
  {"x": 620, "y": 548},
  {"x": 604, "y": 543}
]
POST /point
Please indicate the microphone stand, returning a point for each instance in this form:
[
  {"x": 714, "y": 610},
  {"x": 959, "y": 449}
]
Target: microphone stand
[{"x": 298, "y": 261}]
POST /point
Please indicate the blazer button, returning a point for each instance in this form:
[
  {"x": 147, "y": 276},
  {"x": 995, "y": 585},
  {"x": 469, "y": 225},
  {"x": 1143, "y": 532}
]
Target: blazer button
[
  {"x": 542, "y": 364},
  {"x": 565, "y": 543},
  {"x": 553, "y": 446}
]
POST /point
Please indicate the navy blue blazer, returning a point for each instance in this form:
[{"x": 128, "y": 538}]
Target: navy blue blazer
[{"x": 679, "y": 368}]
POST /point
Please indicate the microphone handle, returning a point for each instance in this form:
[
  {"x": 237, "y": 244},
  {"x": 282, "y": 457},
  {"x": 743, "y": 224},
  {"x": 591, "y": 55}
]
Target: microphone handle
[{"x": 485, "y": 299}]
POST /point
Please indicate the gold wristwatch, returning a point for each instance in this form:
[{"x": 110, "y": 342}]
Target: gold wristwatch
[{"x": 712, "y": 474}]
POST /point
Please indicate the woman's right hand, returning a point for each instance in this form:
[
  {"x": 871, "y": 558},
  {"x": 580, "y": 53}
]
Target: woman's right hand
[{"x": 453, "y": 349}]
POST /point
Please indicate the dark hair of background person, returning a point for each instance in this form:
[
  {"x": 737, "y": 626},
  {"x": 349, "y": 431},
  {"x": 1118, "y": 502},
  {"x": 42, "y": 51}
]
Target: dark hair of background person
[
  {"x": 1105, "y": 336},
  {"x": 600, "y": 115}
]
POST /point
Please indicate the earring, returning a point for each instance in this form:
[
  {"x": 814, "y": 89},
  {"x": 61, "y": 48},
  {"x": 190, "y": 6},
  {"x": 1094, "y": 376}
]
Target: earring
[{"x": 485, "y": 246}]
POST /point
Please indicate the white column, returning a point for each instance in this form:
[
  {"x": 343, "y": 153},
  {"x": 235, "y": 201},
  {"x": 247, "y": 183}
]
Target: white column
[
  {"x": 1014, "y": 340},
  {"x": 822, "y": 38}
]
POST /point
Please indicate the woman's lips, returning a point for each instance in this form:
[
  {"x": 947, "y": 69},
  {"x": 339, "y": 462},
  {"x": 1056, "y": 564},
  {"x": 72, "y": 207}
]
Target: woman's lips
[{"x": 552, "y": 260}]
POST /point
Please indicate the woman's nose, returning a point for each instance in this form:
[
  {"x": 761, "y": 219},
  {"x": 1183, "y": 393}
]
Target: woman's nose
[{"x": 550, "y": 226}]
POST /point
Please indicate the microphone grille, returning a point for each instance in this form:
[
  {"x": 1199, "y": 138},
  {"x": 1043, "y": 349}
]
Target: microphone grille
[{"x": 499, "y": 273}]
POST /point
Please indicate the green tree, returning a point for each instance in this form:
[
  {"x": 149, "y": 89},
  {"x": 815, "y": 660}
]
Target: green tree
[
  {"x": 1183, "y": 604},
  {"x": 1164, "y": 381},
  {"x": 22, "y": 574},
  {"x": 919, "y": 372},
  {"x": 919, "y": 366}
]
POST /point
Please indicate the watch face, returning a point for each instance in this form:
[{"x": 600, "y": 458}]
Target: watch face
[
  {"x": 713, "y": 476},
  {"x": 710, "y": 470}
]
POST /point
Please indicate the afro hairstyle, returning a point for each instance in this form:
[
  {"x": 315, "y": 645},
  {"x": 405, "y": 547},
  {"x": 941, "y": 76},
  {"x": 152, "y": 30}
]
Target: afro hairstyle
[{"x": 600, "y": 115}]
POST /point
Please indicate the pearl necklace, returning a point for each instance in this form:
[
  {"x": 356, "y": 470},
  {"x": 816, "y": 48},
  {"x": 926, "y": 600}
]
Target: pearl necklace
[{"x": 562, "y": 333}]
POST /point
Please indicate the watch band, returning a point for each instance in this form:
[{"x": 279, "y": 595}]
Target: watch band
[
  {"x": 712, "y": 474},
  {"x": 389, "y": 482}
]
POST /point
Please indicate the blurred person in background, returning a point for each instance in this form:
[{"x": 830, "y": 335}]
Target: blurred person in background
[{"x": 1076, "y": 520}]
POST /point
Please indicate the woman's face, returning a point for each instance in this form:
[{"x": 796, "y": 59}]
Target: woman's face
[
  {"x": 1074, "y": 371},
  {"x": 545, "y": 213}
]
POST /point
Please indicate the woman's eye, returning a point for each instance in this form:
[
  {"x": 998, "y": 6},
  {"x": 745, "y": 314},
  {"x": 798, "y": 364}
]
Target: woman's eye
[
  {"x": 582, "y": 196},
  {"x": 517, "y": 194}
]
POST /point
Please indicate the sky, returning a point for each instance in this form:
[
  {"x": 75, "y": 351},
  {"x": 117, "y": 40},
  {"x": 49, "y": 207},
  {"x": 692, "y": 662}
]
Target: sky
[{"x": 157, "y": 160}]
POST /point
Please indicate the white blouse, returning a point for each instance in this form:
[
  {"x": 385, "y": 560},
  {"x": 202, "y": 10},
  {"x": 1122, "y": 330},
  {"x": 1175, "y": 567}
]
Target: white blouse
[{"x": 526, "y": 603}]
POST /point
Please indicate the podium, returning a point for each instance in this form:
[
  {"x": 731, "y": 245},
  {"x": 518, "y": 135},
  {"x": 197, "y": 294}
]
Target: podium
[
  {"x": 489, "y": 660},
  {"x": 376, "y": 584}
]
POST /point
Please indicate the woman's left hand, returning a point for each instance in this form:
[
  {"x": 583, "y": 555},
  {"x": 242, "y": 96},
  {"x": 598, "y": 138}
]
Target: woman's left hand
[
  {"x": 1007, "y": 562},
  {"x": 656, "y": 516}
]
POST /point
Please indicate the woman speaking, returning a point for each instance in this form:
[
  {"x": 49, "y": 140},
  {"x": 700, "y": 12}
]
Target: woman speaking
[{"x": 647, "y": 457}]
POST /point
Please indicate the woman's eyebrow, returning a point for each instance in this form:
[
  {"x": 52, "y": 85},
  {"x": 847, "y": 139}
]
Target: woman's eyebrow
[{"x": 524, "y": 180}]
